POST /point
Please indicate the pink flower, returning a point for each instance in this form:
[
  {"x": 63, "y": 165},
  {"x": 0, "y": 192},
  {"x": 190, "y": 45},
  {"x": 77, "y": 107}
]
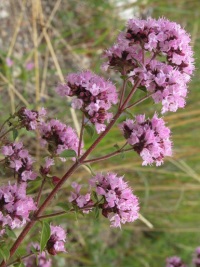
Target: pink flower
[
  {"x": 9, "y": 62},
  {"x": 58, "y": 136},
  {"x": 15, "y": 205},
  {"x": 80, "y": 200},
  {"x": 56, "y": 241},
  {"x": 18, "y": 158},
  {"x": 31, "y": 118},
  {"x": 174, "y": 262},
  {"x": 119, "y": 205},
  {"x": 149, "y": 138},
  {"x": 93, "y": 95},
  {"x": 29, "y": 66},
  {"x": 196, "y": 258},
  {"x": 40, "y": 261}
]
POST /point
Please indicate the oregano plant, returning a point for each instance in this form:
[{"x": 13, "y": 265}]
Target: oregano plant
[{"x": 151, "y": 55}]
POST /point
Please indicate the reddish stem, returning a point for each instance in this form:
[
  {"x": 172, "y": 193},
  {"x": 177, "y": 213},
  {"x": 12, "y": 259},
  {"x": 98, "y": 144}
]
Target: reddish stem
[{"x": 108, "y": 156}]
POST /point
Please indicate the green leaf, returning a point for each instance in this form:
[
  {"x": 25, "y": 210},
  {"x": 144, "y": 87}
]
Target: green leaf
[
  {"x": 10, "y": 233},
  {"x": 19, "y": 264},
  {"x": 95, "y": 196},
  {"x": 64, "y": 206},
  {"x": 68, "y": 154},
  {"x": 5, "y": 253},
  {"x": 142, "y": 88},
  {"x": 96, "y": 212},
  {"x": 90, "y": 130},
  {"x": 15, "y": 134},
  {"x": 45, "y": 235}
]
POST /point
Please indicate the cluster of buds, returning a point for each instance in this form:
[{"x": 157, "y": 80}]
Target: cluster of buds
[
  {"x": 18, "y": 159},
  {"x": 149, "y": 138},
  {"x": 93, "y": 95}
]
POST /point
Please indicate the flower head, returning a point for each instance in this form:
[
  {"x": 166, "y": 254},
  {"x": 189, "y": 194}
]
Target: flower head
[
  {"x": 30, "y": 118},
  {"x": 92, "y": 94},
  {"x": 56, "y": 241},
  {"x": 119, "y": 205},
  {"x": 149, "y": 138},
  {"x": 40, "y": 261},
  {"x": 174, "y": 262},
  {"x": 15, "y": 205},
  {"x": 58, "y": 136},
  {"x": 196, "y": 258},
  {"x": 18, "y": 159},
  {"x": 80, "y": 200}
]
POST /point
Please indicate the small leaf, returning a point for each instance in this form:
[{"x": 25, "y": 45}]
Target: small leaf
[
  {"x": 19, "y": 264},
  {"x": 45, "y": 235},
  {"x": 96, "y": 212},
  {"x": 95, "y": 196},
  {"x": 90, "y": 130},
  {"x": 64, "y": 206},
  {"x": 67, "y": 154},
  {"x": 142, "y": 88},
  {"x": 10, "y": 233},
  {"x": 15, "y": 134},
  {"x": 5, "y": 253}
]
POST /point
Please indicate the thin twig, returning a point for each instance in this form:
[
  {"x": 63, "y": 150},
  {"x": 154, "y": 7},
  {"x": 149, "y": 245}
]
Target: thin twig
[
  {"x": 108, "y": 156},
  {"x": 40, "y": 192},
  {"x": 22, "y": 258},
  {"x": 140, "y": 100}
]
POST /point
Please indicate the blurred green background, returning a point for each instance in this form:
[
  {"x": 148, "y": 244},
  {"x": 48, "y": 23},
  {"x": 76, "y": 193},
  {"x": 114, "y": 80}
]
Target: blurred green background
[{"x": 73, "y": 36}]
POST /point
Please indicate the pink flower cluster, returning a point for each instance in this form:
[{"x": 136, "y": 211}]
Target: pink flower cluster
[
  {"x": 163, "y": 37},
  {"x": 80, "y": 200},
  {"x": 15, "y": 206},
  {"x": 135, "y": 52},
  {"x": 46, "y": 168},
  {"x": 93, "y": 95},
  {"x": 58, "y": 136},
  {"x": 30, "y": 118},
  {"x": 174, "y": 262},
  {"x": 40, "y": 261},
  {"x": 167, "y": 83},
  {"x": 18, "y": 159},
  {"x": 149, "y": 138},
  {"x": 120, "y": 205},
  {"x": 123, "y": 56},
  {"x": 196, "y": 259},
  {"x": 56, "y": 241}
]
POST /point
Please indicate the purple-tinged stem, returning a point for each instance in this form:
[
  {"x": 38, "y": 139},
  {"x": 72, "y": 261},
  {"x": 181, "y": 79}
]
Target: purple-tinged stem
[{"x": 108, "y": 156}]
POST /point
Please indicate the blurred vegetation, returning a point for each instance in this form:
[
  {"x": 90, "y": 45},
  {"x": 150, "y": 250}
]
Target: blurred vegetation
[{"x": 78, "y": 33}]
